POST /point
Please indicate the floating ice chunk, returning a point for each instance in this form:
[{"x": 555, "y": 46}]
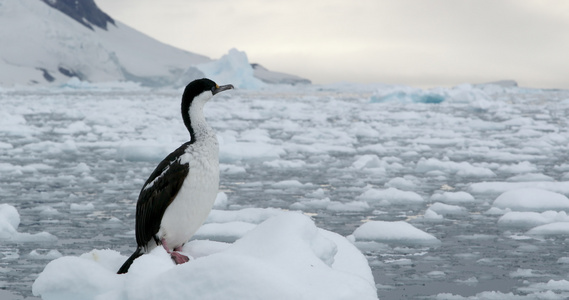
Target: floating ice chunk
[
  {"x": 285, "y": 164},
  {"x": 319, "y": 148},
  {"x": 406, "y": 95},
  {"x": 6, "y": 145},
  {"x": 47, "y": 210},
  {"x": 311, "y": 204},
  {"x": 446, "y": 209},
  {"x": 368, "y": 161},
  {"x": 530, "y": 177},
  {"x": 558, "y": 285},
  {"x": 231, "y": 169},
  {"x": 319, "y": 193},
  {"x": 401, "y": 183},
  {"x": 82, "y": 168},
  {"x": 563, "y": 260},
  {"x": 376, "y": 148},
  {"x": 233, "y": 151},
  {"x": 314, "y": 264},
  {"x": 436, "y": 274},
  {"x": 521, "y": 167},
  {"x": 352, "y": 206},
  {"x": 460, "y": 169},
  {"x": 432, "y": 215},
  {"x": 52, "y": 254},
  {"x": 498, "y": 187},
  {"x": 531, "y": 219},
  {"x": 531, "y": 199},
  {"x": 393, "y": 232},
  {"x": 9, "y": 222},
  {"x": 290, "y": 184},
  {"x": 390, "y": 196},
  {"x": 524, "y": 273},
  {"x": 453, "y": 197},
  {"x": 74, "y": 128},
  {"x": 255, "y": 135},
  {"x": 220, "y": 200},
  {"x": 142, "y": 151},
  {"x": 53, "y": 148},
  {"x": 81, "y": 207},
  {"x": 562, "y": 167},
  {"x": 14, "y": 124},
  {"x": 472, "y": 281},
  {"x": 557, "y": 228}
]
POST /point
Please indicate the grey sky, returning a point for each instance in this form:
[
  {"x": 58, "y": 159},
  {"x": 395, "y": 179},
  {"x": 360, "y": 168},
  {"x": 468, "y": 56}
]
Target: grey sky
[{"x": 415, "y": 42}]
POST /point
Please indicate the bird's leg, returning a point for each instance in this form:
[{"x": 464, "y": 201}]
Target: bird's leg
[{"x": 176, "y": 256}]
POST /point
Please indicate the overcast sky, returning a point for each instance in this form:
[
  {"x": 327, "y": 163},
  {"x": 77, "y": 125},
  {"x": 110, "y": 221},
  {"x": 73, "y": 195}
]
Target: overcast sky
[{"x": 415, "y": 42}]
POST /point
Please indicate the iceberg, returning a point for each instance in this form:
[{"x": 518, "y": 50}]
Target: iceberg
[
  {"x": 284, "y": 257},
  {"x": 234, "y": 68}
]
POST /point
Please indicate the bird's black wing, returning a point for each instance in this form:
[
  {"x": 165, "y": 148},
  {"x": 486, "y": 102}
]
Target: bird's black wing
[{"x": 157, "y": 193}]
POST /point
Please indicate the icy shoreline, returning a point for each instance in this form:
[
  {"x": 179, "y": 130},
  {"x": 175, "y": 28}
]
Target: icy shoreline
[{"x": 72, "y": 161}]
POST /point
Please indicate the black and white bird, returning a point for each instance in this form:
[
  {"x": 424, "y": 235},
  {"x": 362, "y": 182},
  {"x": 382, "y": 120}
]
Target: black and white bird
[{"x": 178, "y": 196}]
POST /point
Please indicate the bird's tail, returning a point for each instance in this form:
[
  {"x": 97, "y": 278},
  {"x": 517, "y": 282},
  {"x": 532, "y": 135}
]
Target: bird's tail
[{"x": 129, "y": 261}]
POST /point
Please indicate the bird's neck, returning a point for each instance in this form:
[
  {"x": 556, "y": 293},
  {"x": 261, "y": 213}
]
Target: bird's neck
[{"x": 197, "y": 125}]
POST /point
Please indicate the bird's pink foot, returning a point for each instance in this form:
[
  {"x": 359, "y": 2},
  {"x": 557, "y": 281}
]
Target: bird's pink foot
[{"x": 179, "y": 258}]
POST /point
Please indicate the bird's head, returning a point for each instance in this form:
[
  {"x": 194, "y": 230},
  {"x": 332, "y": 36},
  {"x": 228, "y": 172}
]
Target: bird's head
[
  {"x": 196, "y": 94},
  {"x": 202, "y": 89}
]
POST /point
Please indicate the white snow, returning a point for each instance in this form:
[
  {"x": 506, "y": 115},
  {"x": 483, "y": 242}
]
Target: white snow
[{"x": 313, "y": 264}]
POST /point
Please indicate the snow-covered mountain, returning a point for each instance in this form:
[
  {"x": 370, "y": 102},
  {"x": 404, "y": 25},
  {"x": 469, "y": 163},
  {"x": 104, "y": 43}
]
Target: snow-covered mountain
[{"x": 51, "y": 41}]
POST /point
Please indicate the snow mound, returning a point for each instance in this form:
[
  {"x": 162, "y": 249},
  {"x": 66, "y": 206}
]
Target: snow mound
[
  {"x": 234, "y": 68},
  {"x": 393, "y": 232},
  {"x": 9, "y": 222},
  {"x": 285, "y": 257},
  {"x": 532, "y": 199}
]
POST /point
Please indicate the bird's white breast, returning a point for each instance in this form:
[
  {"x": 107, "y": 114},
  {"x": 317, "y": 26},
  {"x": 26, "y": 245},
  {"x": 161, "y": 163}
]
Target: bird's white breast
[{"x": 195, "y": 199}]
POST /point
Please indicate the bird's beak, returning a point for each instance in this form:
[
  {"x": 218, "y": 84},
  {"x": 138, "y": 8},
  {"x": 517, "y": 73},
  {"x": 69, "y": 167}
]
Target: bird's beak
[{"x": 222, "y": 88}]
